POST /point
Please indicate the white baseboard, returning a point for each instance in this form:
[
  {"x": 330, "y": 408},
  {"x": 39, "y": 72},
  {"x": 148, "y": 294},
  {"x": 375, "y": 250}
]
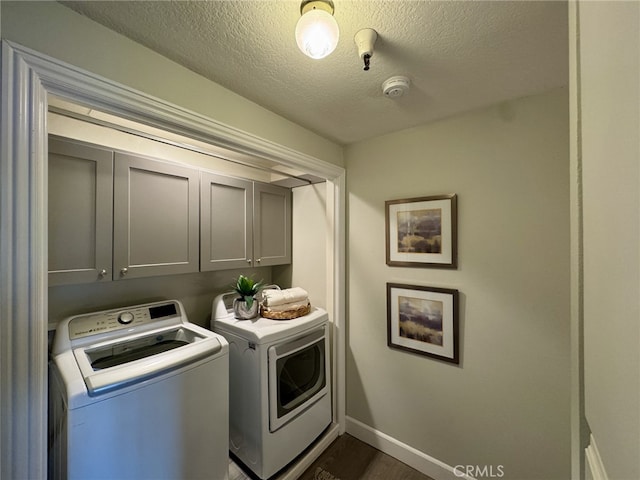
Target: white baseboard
[
  {"x": 594, "y": 461},
  {"x": 406, "y": 454}
]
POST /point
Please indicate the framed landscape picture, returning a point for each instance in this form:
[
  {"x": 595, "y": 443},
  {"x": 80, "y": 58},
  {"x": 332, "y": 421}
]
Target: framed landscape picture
[
  {"x": 422, "y": 232},
  {"x": 423, "y": 320}
]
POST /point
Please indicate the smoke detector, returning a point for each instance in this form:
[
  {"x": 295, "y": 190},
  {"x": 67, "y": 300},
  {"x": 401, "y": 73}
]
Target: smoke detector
[{"x": 395, "y": 87}]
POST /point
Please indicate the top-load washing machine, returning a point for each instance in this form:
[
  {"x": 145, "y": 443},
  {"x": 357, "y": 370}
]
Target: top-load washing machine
[
  {"x": 138, "y": 393},
  {"x": 280, "y": 385}
]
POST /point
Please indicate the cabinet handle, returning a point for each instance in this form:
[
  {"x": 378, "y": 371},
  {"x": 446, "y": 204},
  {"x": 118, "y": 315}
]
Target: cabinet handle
[
  {"x": 249, "y": 261},
  {"x": 258, "y": 260},
  {"x": 124, "y": 271},
  {"x": 102, "y": 272}
]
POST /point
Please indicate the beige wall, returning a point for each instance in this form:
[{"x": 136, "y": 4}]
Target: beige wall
[
  {"x": 101, "y": 135},
  {"x": 59, "y": 32},
  {"x": 609, "y": 81},
  {"x": 308, "y": 268},
  {"x": 196, "y": 291},
  {"x": 507, "y": 403}
]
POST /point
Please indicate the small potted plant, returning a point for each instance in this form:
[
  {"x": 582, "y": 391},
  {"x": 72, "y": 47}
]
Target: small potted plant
[{"x": 246, "y": 306}]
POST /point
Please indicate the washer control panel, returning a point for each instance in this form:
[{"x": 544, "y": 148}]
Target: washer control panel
[{"x": 112, "y": 320}]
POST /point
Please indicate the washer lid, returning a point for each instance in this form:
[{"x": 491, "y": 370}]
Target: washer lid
[
  {"x": 265, "y": 330},
  {"x": 116, "y": 364}
]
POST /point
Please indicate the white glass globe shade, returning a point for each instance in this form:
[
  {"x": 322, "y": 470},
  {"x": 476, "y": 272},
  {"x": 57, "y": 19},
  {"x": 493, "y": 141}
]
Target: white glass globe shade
[{"x": 317, "y": 33}]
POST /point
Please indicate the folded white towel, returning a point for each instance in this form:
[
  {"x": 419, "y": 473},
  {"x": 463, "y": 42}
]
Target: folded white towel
[
  {"x": 273, "y": 297},
  {"x": 287, "y": 306}
]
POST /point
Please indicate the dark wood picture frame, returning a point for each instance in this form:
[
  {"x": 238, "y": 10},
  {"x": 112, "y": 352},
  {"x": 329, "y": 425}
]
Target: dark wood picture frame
[
  {"x": 422, "y": 232},
  {"x": 423, "y": 320}
]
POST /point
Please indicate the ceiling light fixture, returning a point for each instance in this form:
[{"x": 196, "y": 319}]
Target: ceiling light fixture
[
  {"x": 317, "y": 31},
  {"x": 365, "y": 40}
]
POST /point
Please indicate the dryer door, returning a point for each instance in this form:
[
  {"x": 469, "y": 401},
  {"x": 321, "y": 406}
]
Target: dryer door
[{"x": 297, "y": 376}]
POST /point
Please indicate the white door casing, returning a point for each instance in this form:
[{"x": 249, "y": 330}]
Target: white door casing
[{"x": 28, "y": 77}]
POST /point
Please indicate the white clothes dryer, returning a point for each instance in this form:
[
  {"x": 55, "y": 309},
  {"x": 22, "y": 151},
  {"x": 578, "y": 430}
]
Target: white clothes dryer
[
  {"x": 138, "y": 393},
  {"x": 279, "y": 385}
]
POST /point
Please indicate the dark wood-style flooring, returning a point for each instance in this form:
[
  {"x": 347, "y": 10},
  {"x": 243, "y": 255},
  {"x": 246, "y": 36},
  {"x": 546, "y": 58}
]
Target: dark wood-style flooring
[{"x": 348, "y": 458}]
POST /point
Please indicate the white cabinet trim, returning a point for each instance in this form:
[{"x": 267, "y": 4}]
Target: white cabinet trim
[
  {"x": 23, "y": 271},
  {"x": 27, "y": 79},
  {"x": 594, "y": 460}
]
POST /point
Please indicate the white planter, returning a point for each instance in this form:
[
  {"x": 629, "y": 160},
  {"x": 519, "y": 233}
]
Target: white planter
[{"x": 241, "y": 312}]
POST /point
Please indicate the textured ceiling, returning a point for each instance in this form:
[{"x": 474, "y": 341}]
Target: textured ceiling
[{"x": 459, "y": 55}]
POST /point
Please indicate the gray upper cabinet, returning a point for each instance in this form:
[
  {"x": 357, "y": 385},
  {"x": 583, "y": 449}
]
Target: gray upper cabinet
[
  {"x": 114, "y": 216},
  {"x": 80, "y": 212},
  {"x": 226, "y": 213},
  {"x": 271, "y": 225},
  {"x": 155, "y": 210},
  {"x": 243, "y": 224}
]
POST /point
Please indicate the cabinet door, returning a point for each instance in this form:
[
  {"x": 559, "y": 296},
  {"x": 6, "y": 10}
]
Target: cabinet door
[
  {"x": 155, "y": 218},
  {"x": 80, "y": 212},
  {"x": 271, "y": 225},
  {"x": 226, "y": 212}
]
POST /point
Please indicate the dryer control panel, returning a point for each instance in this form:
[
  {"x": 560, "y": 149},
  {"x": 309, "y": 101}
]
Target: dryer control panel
[{"x": 112, "y": 320}]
